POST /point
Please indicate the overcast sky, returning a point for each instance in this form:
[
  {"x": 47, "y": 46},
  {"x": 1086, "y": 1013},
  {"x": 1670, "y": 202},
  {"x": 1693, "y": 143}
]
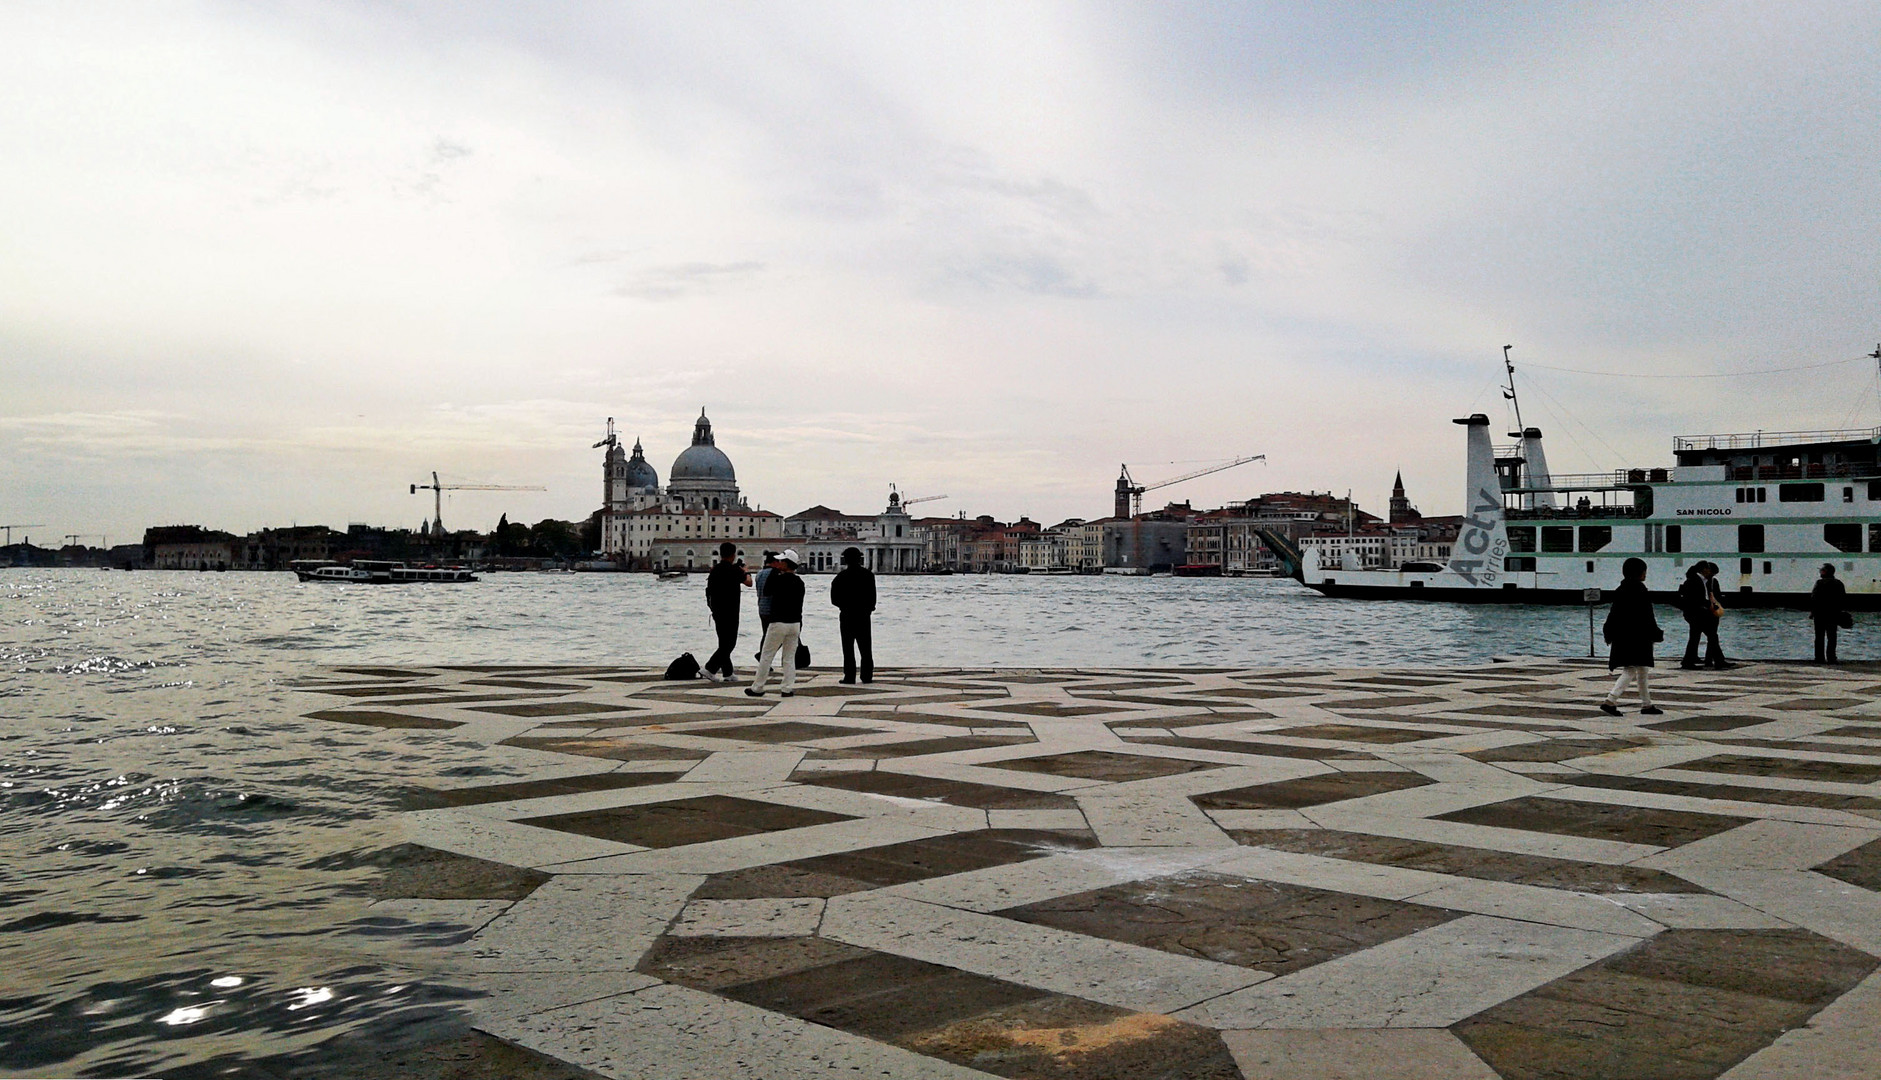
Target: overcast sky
[{"x": 271, "y": 263}]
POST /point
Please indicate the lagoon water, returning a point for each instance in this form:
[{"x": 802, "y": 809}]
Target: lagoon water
[{"x": 180, "y": 849}]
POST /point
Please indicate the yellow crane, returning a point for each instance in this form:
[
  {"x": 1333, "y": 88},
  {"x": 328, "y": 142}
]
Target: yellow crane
[
  {"x": 438, "y": 489},
  {"x": 1130, "y": 493}
]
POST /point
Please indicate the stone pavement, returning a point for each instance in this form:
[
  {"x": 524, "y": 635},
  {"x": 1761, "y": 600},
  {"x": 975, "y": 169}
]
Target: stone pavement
[{"x": 1297, "y": 875}]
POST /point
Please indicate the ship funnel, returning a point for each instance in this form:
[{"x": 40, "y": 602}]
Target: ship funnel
[
  {"x": 1537, "y": 467},
  {"x": 1483, "y": 541}
]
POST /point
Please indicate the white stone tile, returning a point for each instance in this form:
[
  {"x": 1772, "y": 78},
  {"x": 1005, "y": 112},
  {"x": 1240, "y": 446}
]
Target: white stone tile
[
  {"x": 1697, "y": 911},
  {"x": 1764, "y": 845},
  {"x": 741, "y": 852},
  {"x": 1490, "y": 838},
  {"x": 501, "y": 841},
  {"x": 1074, "y": 871},
  {"x": 1355, "y": 1054},
  {"x": 1838, "y": 1043},
  {"x": 1125, "y": 820},
  {"x": 1127, "y": 976},
  {"x": 1835, "y": 909},
  {"x": 1261, "y": 819},
  {"x": 746, "y": 766},
  {"x": 1727, "y": 807},
  {"x": 1036, "y": 819},
  {"x": 520, "y": 993},
  {"x": 582, "y": 923},
  {"x": 1430, "y": 979},
  {"x": 749, "y": 918},
  {"x": 470, "y": 914},
  {"x": 1556, "y": 907},
  {"x": 674, "y": 1033}
]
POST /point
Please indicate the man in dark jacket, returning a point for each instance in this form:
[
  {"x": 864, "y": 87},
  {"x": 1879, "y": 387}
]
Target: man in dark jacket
[
  {"x": 1632, "y": 631},
  {"x": 723, "y": 596},
  {"x": 1827, "y": 601},
  {"x": 785, "y": 590},
  {"x": 853, "y": 593}
]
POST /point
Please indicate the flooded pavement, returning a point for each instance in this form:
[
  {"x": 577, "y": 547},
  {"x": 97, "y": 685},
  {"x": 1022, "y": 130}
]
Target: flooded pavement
[{"x": 212, "y": 870}]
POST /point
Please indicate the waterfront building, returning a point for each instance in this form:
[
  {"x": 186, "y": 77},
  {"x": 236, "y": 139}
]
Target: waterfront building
[
  {"x": 1051, "y": 548},
  {"x": 679, "y": 525},
  {"x": 891, "y": 542}
]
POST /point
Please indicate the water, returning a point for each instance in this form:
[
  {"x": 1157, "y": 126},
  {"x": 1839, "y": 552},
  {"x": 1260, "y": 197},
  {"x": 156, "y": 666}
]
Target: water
[{"x": 180, "y": 888}]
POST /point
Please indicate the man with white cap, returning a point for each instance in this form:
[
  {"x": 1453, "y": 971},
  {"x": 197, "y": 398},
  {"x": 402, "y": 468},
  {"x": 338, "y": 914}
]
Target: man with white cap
[{"x": 785, "y": 591}]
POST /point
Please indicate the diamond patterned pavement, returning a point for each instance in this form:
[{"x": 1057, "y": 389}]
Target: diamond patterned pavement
[{"x": 1284, "y": 875}]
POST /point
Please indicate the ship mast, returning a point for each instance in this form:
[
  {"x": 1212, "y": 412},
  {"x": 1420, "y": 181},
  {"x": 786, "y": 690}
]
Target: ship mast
[{"x": 1508, "y": 391}]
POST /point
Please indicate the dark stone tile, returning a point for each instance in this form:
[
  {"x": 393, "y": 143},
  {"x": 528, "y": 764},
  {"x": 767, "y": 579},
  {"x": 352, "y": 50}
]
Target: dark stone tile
[
  {"x": 1064, "y": 1038},
  {"x": 781, "y": 731},
  {"x": 1806, "y": 745},
  {"x": 1556, "y": 749},
  {"x": 1351, "y": 733},
  {"x": 656, "y": 721},
  {"x": 1263, "y": 925},
  {"x": 1857, "y": 731},
  {"x": 711, "y": 963},
  {"x": 1544, "y": 712},
  {"x": 1818, "y": 704},
  {"x": 1709, "y": 722},
  {"x": 444, "y": 1050},
  {"x": 1255, "y": 692},
  {"x": 954, "y": 792},
  {"x": 1141, "y": 725},
  {"x": 377, "y": 691},
  {"x": 1309, "y": 791},
  {"x": 883, "y": 712},
  {"x": 939, "y": 856},
  {"x": 685, "y": 821},
  {"x": 1382, "y": 701},
  {"x": 922, "y": 746},
  {"x": 378, "y": 719},
  {"x": 838, "y": 690},
  {"x": 1047, "y": 708},
  {"x": 430, "y": 798},
  {"x": 1836, "y": 772},
  {"x": 1467, "y": 861},
  {"x": 614, "y": 749},
  {"x": 1861, "y": 866},
  {"x": 1104, "y": 765},
  {"x": 554, "y": 708},
  {"x": 527, "y": 684},
  {"x": 1597, "y": 821},
  {"x": 1240, "y": 745},
  {"x": 1774, "y": 796},
  {"x": 412, "y": 871},
  {"x": 387, "y": 672},
  {"x": 1684, "y": 1004},
  {"x": 770, "y": 882},
  {"x": 880, "y": 995}
]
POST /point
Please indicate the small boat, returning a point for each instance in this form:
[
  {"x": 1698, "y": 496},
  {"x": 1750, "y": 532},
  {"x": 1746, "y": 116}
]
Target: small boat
[
  {"x": 1197, "y": 570},
  {"x": 672, "y": 575}
]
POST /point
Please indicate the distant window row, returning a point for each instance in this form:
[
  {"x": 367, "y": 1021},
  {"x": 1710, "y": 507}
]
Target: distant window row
[
  {"x": 1803, "y": 493},
  {"x": 1845, "y": 536},
  {"x": 1560, "y": 538}
]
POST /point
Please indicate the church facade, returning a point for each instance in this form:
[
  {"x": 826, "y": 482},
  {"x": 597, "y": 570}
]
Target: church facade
[{"x": 679, "y": 526}]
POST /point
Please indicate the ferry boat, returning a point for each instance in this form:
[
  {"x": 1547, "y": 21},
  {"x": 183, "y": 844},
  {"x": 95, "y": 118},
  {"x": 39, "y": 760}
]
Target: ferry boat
[
  {"x": 345, "y": 575},
  {"x": 1769, "y": 508},
  {"x": 378, "y": 572}
]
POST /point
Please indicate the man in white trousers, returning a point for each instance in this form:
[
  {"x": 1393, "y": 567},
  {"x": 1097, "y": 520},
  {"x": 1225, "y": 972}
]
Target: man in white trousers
[{"x": 785, "y": 591}]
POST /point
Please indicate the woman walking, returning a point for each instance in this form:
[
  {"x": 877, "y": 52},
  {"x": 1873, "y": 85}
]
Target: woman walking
[{"x": 1632, "y": 631}]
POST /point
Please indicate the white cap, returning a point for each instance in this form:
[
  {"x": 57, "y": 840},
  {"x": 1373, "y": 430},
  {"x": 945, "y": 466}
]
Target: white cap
[{"x": 789, "y": 555}]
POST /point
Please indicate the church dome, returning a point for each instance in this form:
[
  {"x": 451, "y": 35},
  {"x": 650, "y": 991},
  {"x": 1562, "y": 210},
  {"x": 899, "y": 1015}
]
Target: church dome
[
  {"x": 640, "y": 473},
  {"x": 702, "y": 461}
]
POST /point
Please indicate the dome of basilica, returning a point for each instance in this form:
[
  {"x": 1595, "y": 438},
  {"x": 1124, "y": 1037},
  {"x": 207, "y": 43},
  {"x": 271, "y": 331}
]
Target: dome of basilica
[
  {"x": 702, "y": 460},
  {"x": 640, "y": 473}
]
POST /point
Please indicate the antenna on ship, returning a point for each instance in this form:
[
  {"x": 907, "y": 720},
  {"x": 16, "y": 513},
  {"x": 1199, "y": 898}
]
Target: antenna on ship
[{"x": 1508, "y": 392}]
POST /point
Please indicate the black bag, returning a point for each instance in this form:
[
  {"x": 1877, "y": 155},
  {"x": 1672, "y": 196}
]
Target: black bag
[
  {"x": 686, "y": 667},
  {"x": 1845, "y": 620},
  {"x": 803, "y": 655}
]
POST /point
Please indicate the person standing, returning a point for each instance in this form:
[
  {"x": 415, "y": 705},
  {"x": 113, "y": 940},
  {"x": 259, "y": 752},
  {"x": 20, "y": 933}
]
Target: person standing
[
  {"x": 1701, "y": 615},
  {"x": 1827, "y": 601},
  {"x": 1632, "y": 631},
  {"x": 853, "y": 593},
  {"x": 785, "y": 590},
  {"x": 764, "y": 601},
  {"x": 1714, "y": 595},
  {"x": 724, "y": 595}
]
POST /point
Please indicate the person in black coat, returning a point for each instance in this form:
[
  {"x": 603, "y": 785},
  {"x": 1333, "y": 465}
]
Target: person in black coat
[
  {"x": 724, "y": 595},
  {"x": 1631, "y": 631},
  {"x": 853, "y": 593},
  {"x": 1827, "y": 601},
  {"x": 1695, "y": 600}
]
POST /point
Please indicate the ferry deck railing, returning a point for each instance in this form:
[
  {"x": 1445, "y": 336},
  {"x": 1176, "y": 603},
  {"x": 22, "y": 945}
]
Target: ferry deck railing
[{"x": 1753, "y": 440}]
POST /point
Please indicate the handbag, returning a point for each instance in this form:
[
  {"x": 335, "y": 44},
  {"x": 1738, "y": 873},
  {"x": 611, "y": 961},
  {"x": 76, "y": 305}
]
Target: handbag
[
  {"x": 1845, "y": 620},
  {"x": 803, "y": 655}
]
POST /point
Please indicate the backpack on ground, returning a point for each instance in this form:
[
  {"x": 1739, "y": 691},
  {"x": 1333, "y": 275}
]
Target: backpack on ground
[{"x": 686, "y": 667}]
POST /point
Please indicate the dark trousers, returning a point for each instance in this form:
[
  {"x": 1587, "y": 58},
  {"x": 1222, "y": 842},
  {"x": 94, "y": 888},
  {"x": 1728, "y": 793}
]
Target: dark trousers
[
  {"x": 854, "y": 627},
  {"x": 1706, "y": 628},
  {"x": 1825, "y": 641},
  {"x": 727, "y": 623}
]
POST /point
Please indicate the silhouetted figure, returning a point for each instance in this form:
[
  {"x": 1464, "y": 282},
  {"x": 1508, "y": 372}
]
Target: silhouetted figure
[
  {"x": 764, "y": 601},
  {"x": 1827, "y": 602},
  {"x": 1701, "y": 615},
  {"x": 1631, "y": 631},
  {"x": 723, "y": 597},
  {"x": 785, "y": 590},
  {"x": 1714, "y": 656},
  {"x": 853, "y": 593}
]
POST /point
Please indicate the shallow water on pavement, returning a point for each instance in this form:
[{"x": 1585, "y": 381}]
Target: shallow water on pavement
[{"x": 177, "y": 881}]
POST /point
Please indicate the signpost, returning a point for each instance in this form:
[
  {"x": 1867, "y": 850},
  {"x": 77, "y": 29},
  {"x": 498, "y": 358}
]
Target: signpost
[{"x": 1592, "y": 597}]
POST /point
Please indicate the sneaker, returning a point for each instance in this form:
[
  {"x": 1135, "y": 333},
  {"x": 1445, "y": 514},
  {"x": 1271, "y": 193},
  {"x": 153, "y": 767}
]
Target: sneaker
[
  {"x": 1607, "y": 707},
  {"x": 1652, "y": 710},
  {"x": 753, "y": 693}
]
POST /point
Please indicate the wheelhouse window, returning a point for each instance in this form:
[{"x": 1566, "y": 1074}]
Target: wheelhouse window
[
  {"x": 1874, "y": 538},
  {"x": 1750, "y": 539},
  {"x": 1521, "y": 538},
  {"x": 1675, "y": 538},
  {"x": 1595, "y": 537},
  {"x": 1557, "y": 538},
  {"x": 1799, "y": 492},
  {"x": 1843, "y": 537}
]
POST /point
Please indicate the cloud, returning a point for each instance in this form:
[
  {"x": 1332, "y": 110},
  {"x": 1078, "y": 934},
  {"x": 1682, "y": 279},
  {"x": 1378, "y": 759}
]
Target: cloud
[{"x": 686, "y": 279}]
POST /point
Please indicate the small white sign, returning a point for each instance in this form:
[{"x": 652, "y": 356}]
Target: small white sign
[{"x": 1591, "y": 596}]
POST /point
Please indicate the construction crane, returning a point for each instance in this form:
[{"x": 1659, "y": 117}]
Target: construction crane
[
  {"x": 610, "y": 441},
  {"x": 438, "y": 489},
  {"x": 9, "y": 529},
  {"x": 922, "y": 499},
  {"x": 1130, "y": 493},
  {"x": 73, "y": 538}
]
